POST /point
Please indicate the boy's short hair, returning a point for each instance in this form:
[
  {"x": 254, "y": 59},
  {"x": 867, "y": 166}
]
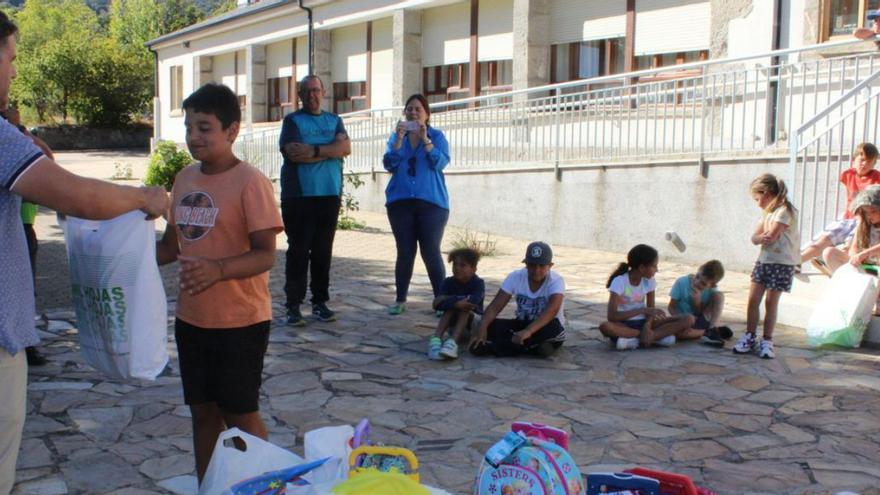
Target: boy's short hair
[
  {"x": 712, "y": 270},
  {"x": 217, "y": 100},
  {"x": 468, "y": 255},
  {"x": 869, "y": 149},
  {"x": 7, "y": 27}
]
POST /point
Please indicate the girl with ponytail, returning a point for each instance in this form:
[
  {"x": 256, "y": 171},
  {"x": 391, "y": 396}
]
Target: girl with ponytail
[
  {"x": 632, "y": 317},
  {"x": 779, "y": 238}
]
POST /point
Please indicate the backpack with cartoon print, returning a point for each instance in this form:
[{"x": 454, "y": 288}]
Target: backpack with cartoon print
[{"x": 525, "y": 462}]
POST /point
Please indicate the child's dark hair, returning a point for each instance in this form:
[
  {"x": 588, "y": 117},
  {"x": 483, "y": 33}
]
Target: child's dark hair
[
  {"x": 468, "y": 255},
  {"x": 641, "y": 254},
  {"x": 712, "y": 270},
  {"x": 871, "y": 152},
  {"x": 7, "y": 27},
  {"x": 217, "y": 100}
]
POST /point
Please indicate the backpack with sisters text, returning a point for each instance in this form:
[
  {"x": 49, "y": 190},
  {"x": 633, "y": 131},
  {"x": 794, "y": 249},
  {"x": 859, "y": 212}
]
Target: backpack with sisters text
[{"x": 530, "y": 460}]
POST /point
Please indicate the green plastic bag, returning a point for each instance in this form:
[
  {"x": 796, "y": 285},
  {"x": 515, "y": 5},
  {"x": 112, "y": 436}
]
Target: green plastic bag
[{"x": 843, "y": 313}]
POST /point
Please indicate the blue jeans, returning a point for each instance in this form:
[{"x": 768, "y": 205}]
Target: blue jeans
[{"x": 417, "y": 223}]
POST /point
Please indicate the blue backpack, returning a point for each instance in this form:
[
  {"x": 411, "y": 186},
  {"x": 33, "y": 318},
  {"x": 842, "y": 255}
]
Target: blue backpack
[{"x": 528, "y": 465}]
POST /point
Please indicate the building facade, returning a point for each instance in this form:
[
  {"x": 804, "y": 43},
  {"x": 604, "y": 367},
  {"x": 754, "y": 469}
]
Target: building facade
[{"x": 374, "y": 53}]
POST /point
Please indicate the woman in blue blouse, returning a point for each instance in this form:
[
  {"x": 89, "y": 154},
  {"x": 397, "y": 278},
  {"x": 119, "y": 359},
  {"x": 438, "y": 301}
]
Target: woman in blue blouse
[{"x": 416, "y": 196}]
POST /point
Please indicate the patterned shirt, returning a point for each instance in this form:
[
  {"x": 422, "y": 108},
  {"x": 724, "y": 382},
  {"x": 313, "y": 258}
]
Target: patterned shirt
[{"x": 17, "y": 154}]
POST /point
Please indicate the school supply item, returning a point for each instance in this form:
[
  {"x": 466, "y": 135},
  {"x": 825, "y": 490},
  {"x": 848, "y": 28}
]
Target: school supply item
[
  {"x": 378, "y": 483},
  {"x": 533, "y": 466},
  {"x": 608, "y": 483},
  {"x": 229, "y": 465},
  {"x": 671, "y": 483},
  {"x": 333, "y": 442},
  {"x": 559, "y": 437},
  {"x": 117, "y": 292},
  {"x": 843, "y": 313},
  {"x": 369, "y": 458},
  {"x": 274, "y": 482}
]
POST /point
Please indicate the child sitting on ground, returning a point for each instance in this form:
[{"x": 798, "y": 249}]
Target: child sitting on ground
[
  {"x": 859, "y": 176},
  {"x": 698, "y": 295},
  {"x": 221, "y": 229},
  {"x": 461, "y": 296},
  {"x": 865, "y": 244},
  {"x": 632, "y": 317},
  {"x": 539, "y": 327}
]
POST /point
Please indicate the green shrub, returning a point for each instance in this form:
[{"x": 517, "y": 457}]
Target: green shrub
[
  {"x": 482, "y": 244},
  {"x": 165, "y": 162},
  {"x": 350, "y": 205}
]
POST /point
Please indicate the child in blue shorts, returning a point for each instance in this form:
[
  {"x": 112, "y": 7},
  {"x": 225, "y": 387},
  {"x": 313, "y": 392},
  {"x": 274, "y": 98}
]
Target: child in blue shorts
[
  {"x": 698, "y": 295},
  {"x": 461, "y": 297}
]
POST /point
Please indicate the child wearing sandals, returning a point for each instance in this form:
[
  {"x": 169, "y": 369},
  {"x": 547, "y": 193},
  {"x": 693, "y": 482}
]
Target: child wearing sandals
[
  {"x": 778, "y": 235},
  {"x": 864, "y": 246},
  {"x": 697, "y": 295},
  {"x": 856, "y": 178},
  {"x": 632, "y": 318}
]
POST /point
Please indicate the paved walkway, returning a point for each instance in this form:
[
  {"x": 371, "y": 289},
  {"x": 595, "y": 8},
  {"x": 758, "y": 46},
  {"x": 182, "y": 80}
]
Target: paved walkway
[{"x": 806, "y": 422}]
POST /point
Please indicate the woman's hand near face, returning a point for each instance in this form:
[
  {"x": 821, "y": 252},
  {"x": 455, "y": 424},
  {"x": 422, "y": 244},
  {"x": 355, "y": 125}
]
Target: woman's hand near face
[
  {"x": 423, "y": 132},
  {"x": 399, "y": 132}
]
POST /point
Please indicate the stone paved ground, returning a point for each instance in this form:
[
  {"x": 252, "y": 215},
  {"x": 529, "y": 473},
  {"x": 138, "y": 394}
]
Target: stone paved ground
[{"x": 806, "y": 422}]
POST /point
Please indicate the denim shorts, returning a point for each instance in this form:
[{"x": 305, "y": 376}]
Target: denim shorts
[{"x": 773, "y": 276}]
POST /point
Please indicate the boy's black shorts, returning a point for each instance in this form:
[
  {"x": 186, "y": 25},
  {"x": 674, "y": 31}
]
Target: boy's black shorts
[{"x": 222, "y": 365}]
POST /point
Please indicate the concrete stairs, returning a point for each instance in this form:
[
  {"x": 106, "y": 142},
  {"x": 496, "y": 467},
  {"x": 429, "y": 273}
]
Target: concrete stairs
[{"x": 795, "y": 308}]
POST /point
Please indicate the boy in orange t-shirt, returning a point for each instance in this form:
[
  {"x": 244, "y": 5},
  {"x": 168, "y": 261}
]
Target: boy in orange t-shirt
[
  {"x": 859, "y": 176},
  {"x": 221, "y": 228}
]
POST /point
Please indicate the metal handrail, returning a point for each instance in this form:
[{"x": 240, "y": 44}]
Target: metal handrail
[
  {"x": 617, "y": 77},
  {"x": 840, "y": 100}
]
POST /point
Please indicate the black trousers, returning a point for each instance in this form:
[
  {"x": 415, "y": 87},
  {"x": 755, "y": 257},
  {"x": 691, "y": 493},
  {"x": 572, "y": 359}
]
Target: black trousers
[
  {"x": 310, "y": 225},
  {"x": 499, "y": 343}
]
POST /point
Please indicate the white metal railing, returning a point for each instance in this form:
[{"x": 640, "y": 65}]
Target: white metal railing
[
  {"x": 821, "y": 148},
  {"x": 719, "y": 106}
]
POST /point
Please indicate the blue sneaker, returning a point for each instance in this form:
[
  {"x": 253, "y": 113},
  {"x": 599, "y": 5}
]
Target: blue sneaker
[
  {"x": 295, "y": 318},
  {"x": 323, "y": 312},
  {"x": 434, "y": 346}
]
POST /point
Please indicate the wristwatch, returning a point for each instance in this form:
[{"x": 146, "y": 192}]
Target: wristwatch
[{"x": 317, "y": 151}]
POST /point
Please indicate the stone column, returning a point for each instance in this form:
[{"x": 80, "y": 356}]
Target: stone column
[
  {"x": 255, "y": 67},
  {"x": 531, "y": 45},
  {"x": 203, "y": 71},
  {"x": 322, "y": 65},
  {"x": 406, "y": 77},
  {"x": 722, "y": 12}
]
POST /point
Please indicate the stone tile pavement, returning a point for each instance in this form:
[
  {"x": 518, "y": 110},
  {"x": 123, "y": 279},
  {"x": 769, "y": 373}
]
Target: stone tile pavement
[{"x": 805, "y": 423}]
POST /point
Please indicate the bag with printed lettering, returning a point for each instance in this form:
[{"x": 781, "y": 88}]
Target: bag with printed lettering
[
  {"x": 525, "y": 462},
  {"x": 117, "y": 292}
]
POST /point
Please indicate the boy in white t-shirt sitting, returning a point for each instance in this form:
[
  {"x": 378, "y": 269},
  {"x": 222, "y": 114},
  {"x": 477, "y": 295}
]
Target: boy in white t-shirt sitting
[{"x": 539, "y": 325}]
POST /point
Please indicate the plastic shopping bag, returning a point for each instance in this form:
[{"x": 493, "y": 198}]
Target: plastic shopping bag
[
  {"x": 117, "y": 292},
  {"x": 844, "y": 312},
  {"x": 274, "y": 482},
  {"x": 330, "y": 441},
  {"x": 229, "y": 465}
]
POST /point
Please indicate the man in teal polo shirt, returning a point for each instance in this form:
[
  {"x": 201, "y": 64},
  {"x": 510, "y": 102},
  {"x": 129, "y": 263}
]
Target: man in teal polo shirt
[{"x": 313, "y": 143}]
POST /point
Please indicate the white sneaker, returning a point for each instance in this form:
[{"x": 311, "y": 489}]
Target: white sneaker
[
  {"x": 449, "y": 349},
  {"x": 766, "y": 350},
  {"x": 624, "y": 344},
  {"x": 746, "y": 344},
  {"x": 667, "y": 341}
]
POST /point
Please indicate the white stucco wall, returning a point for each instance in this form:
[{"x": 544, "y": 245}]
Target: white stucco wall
[
  {"x": 171, "y": 124},
  {"x": 382, "y": 64},
  {"x": 279, "y": 59},
  {"x": 612, "y": 208}
]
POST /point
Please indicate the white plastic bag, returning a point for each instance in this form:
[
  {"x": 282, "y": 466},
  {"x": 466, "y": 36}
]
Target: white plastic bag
[
  {"x": 121, "y": 311},
  {"x": 844, "y": 312},
  {"x": 229, "y": 465},
  {"x": 330, "y": 441}
]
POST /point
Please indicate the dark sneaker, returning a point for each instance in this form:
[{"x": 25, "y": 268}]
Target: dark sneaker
[
  {"x": 712, "y": 337},
  {"x": 34, "y": 357},
  {"x": 323, "y": 312},
  {"x": 546, "y": 349},
  {"x": 725, "y": 332},
  {"x": 295, "y": 318}
]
